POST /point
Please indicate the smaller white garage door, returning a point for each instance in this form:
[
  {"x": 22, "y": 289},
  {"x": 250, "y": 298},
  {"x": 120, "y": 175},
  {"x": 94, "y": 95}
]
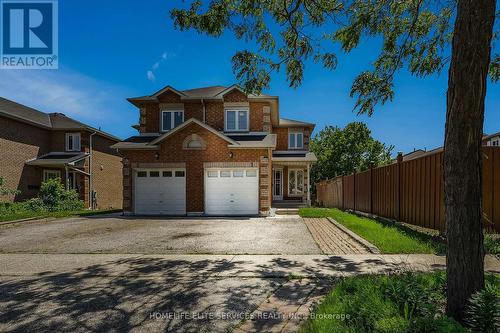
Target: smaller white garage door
[
  {"x": 232, "y": 191},
  {"x": 160, "y": 192}
]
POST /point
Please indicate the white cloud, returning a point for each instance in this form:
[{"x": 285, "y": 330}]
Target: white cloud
[
  {"x": 64, "y": 91},
  {"x": 164, "y": 57},
  {"x": 150, "y": 75}
]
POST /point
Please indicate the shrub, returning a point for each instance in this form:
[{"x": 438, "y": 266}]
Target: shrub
[
  {"x": 483, "y": 311},
  {"x": 56, "y": 198},
  {"x": 34, "y": 205}
]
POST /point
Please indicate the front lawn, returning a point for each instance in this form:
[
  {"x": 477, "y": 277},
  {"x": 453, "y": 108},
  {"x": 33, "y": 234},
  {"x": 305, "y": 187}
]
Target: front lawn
[
  {"x": 399, "y": 303},
  {"x": 389, "y": 238},
  {"x": 24, "y": 214}
]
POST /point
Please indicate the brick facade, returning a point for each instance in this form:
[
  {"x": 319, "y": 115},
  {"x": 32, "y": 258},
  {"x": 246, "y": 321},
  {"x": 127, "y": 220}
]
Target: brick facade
[
  {"x": 171, "y": 151},
  {"x": 214, "y": 151},
  {"x": 282, "y": 136},
  {"x": 20, "y": 142}
]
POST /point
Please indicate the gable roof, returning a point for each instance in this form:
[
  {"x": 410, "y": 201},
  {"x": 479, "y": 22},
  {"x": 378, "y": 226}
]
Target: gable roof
[
  {"x": 189, "y": 122},
  {"x": 211, "y": 92},
  {"x": 50, "y": 121},
  {"x": 487, "y": 137},
  {"x": 284, "y": 122}
]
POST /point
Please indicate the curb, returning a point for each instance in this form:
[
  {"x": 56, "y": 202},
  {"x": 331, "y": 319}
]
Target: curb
[
  {"x": 30, "y": 219},
  {"x": 372, "y": 248}
]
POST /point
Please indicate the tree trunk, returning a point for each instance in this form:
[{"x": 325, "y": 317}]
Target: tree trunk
[{"x": 462, "y": 151}]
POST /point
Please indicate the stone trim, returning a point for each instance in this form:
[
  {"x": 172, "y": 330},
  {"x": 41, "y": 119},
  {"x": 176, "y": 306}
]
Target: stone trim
[
  {"x": 171, "y": 106},
  {"x": 194, "y": 137},
  {"x": 230, "y": 164},
  {"x": 236, "y": 104},
  {"x": 160, "y": 165}
]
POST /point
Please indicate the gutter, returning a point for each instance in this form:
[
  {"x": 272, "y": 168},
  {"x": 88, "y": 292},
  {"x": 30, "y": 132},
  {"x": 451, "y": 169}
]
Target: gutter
[{"x": 91, "y": 178}]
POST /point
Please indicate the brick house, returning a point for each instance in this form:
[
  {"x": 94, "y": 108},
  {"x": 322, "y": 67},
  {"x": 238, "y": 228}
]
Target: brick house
[
  {"x": 35, "y": 146},
  {"x": 214, "y": 151}
]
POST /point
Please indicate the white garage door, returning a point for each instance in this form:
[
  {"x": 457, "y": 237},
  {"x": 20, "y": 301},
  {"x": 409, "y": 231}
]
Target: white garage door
[
  {"x": 160, "y": 192},
  {"x": 231, "y": 191}
]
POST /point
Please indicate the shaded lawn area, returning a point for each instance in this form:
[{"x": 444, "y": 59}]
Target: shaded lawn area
[
  {"x": 23, "y": 214},
  {"x": 411, "y": 302},
  {"x": 389, "y": 238}
]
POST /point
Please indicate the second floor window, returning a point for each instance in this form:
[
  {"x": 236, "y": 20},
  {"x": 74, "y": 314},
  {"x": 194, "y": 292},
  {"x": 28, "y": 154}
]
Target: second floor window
[
  {"x": 295, "y": 140},
  {"x": 236, "y": 120},
  {"x": 171, "y": 119},
  {"x": 73, "y": 142}
]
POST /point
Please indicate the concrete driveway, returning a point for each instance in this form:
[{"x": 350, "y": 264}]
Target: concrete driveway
[{"x": 116, "y": 234}]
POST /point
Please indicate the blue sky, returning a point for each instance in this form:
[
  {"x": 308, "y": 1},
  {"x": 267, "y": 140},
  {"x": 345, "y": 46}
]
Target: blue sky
[{"x": 106, "y": 49}]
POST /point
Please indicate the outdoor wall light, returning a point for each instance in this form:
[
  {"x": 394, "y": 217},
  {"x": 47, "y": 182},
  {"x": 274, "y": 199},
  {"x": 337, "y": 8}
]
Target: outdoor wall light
[
  {"x": 230, "y": 154},
  {"x": 157, "y": 155}
]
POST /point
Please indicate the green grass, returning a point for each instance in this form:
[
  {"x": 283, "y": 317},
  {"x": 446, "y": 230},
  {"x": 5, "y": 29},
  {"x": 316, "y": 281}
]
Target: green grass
[
  {"x": 389, "y": 238},
  {"x": 492, "y": 243},
  {"x": 411, "y": 302},
  {"x": 18, "y": 215}
]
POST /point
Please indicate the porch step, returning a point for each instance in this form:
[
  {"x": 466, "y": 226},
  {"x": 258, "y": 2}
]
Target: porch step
[
  {"x": 287, "y": 211},
  {"x": 288, "y": 204}
]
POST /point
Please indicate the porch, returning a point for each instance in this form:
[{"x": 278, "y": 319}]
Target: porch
[
  {"x": 69, "y": 167},
  {"x": 291, "y": 180}
]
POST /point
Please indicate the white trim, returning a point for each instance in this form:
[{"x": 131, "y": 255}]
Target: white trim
[
  {"x": 295, "y": 132},
  {"x": 187, "y": 123},
  {"x": 296, "y": 178},
  {"x": 236, "y": 123},
  {"x": 278, "y": 197},
  {"x": 172, "y": 119},
  {"x": 50, "y": 171},
  {"x": 74, "y": 135},
  {"x": 172, "y": 89}
]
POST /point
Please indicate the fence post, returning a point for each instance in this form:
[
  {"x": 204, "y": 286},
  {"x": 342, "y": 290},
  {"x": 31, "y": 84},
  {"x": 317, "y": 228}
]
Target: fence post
[
  {"x": 400, "y": 184},
  {"x": 342, "y": 187},
  {"x": 354, "y": 188},
  {"x": 371, "y": 189}
]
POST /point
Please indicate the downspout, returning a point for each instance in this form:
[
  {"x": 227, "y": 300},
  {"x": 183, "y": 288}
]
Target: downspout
[
  {"x": 204, "y": 111},
  {"x": 91, "y": 206}
]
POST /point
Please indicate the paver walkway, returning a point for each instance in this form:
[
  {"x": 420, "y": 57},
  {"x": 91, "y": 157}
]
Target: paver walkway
[{"x": 331, "y": 239}]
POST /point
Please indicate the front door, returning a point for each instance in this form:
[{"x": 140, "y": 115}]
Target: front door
[{"x": 277, "y": 184}]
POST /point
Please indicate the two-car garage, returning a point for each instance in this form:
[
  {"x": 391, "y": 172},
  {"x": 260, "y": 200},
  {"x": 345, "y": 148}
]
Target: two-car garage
[{"x": 227, "y": 191}]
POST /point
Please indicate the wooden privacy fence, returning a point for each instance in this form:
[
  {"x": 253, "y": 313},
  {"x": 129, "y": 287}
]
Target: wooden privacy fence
[{"x": 410, "y": 191}]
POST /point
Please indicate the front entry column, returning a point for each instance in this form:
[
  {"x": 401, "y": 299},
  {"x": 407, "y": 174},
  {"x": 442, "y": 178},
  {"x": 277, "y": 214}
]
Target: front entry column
[{"x": 308, "y": 185}]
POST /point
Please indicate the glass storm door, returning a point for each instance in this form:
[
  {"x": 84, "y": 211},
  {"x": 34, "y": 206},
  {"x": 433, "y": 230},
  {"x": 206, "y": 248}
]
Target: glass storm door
[{"x": 278, "y": 184}]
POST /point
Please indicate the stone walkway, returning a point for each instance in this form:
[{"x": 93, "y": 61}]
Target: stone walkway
[{"x": 333, "y": 240}]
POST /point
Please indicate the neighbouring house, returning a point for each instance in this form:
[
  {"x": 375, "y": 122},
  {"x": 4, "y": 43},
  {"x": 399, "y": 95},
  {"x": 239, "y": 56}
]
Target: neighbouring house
[
  {"x": 36, "y": 146},
  {"x": 214, "y": 151},
  {"x": 492, "y": 140}
]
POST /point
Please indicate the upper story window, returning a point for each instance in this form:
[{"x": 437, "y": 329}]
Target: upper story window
[
  {"x": 236, "y": 120},
  {"x": 295, "y": 140},
  {"x": 171, "y": 119},
  {"x": 73, "y": 142}
]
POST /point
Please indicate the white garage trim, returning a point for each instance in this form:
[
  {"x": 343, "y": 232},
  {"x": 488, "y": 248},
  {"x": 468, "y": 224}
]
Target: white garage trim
[
  {"x": 160, "y": 191},
  {"x": 231, "y": 191}
]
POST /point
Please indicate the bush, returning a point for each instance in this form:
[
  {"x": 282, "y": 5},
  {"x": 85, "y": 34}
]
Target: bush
[
  {"x": 56, "y": 198},
  {"x": 483, "y": 311},
  {"x": 34, "y": 205}
]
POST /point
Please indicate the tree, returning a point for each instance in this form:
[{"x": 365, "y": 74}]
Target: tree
[
  {"x": 344, "y": 151},
  {"x": 415, "y": 35}
]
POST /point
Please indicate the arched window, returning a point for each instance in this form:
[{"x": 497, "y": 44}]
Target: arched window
[
  {"x": 196, "y": 144},
  {"x": 194, "y": 141}
]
